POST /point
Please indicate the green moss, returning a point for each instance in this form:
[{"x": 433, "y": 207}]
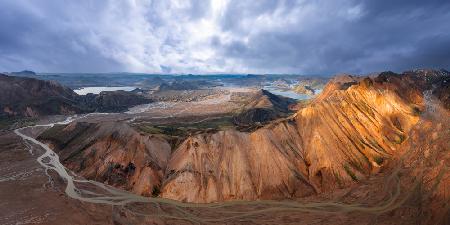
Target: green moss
[
  {"x": 338, "y": 179},
  {"x": 358, "y": 166},
  {"x": 375, "y": 144},
  {"x": 378, "y": 159},
  {"x": 350, "y": 172},
  {"x": 416, "y": 111},
  {"x": 156, "y": 191},
  {"x": 398, "y": 139},
  {"x": 150, "y": 129},
  {"x": 176, "y": 133}
]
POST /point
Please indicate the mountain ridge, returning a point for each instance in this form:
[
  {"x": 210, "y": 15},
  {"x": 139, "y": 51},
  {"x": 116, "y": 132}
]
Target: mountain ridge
[
  {"x": 30, "y": 97},
  {"x": 344, "y": 136}
]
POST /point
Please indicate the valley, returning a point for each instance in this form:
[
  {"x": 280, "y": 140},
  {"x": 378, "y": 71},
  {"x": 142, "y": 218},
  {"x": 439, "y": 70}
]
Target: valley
[
  {"x": 365, "y": 149},
  {"x": 224, "y": 112}
]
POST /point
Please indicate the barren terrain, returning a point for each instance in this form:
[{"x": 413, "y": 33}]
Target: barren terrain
[{"x": 405, "y": 181}]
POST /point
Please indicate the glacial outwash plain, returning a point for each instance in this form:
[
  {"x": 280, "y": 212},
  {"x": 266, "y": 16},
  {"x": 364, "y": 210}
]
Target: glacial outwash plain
[{"x": 203, "y": 150}]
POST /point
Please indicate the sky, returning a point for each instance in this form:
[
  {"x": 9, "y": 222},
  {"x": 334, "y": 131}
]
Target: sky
[{"x": 224, "y": 36}]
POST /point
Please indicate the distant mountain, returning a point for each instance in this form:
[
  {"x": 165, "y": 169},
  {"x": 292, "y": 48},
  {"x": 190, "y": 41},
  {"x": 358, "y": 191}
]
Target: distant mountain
[
  {"x": 21, "y": 96},
  {"x": 24, "y": 73},
  {"x": 263, "y": 107},
  {"x": 30, "y": 97},
  {"x": 179, "y": 85},
  {"x": 151, "y": 83},
  {"x": 112, "y": 101}
]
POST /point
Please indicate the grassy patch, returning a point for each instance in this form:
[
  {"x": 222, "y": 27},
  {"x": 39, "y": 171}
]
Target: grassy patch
[
  {"x": 186, "y": 129},
  {"x": 218, "y": 123},
  {"x": 150, "y": 129}
]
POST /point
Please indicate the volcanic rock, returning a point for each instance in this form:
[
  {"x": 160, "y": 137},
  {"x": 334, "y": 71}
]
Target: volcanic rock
[{"x": 113, "y": 153}]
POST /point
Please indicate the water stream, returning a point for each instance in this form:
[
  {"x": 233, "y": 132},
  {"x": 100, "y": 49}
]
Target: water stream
[{"x": 105, "y": 194}]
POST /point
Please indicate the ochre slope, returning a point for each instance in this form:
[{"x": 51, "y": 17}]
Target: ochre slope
[
  {"x": 349, "y": 132},
  {"x": 355, "y": 128},
  {"x": 113, "y": 153}
]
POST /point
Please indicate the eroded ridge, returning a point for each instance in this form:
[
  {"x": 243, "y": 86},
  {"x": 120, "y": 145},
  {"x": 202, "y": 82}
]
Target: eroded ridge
[{"x": 398, "y": 189}]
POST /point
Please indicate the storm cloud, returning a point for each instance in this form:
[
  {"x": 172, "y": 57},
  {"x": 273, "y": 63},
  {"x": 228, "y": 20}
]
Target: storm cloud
[{"x": 235, "y": 36}]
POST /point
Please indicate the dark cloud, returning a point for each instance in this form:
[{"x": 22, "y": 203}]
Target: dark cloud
[
  {"x": 241, "y": 36},
  {"x": 33, "y": 39},
  {"x": 359, "y": 37}
]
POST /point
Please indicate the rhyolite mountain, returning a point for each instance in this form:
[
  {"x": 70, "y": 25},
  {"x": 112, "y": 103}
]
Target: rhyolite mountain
[
  {"x": 345, "y": 135},
  {"x": 263, "y": 107},
  {"x": 30, "y": 97},
  {"x": 357, "y": 127},
  {"x": 111, "y": 152}
]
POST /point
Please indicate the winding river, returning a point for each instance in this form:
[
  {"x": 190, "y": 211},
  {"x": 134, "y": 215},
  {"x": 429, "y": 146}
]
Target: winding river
[{"x": 105, "y": 194}]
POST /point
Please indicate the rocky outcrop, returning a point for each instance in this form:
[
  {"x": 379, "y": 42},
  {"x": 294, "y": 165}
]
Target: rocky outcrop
[{"x": 112, "y": 153}]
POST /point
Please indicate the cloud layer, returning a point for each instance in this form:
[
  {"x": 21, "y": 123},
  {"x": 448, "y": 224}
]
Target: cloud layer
[{"x": 197, "y": 36}]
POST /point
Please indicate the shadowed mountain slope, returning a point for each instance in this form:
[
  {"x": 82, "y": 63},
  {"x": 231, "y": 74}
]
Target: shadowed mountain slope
[
  {"x": 30, "y": 97},
  {"x": 263, "y": 107}
]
